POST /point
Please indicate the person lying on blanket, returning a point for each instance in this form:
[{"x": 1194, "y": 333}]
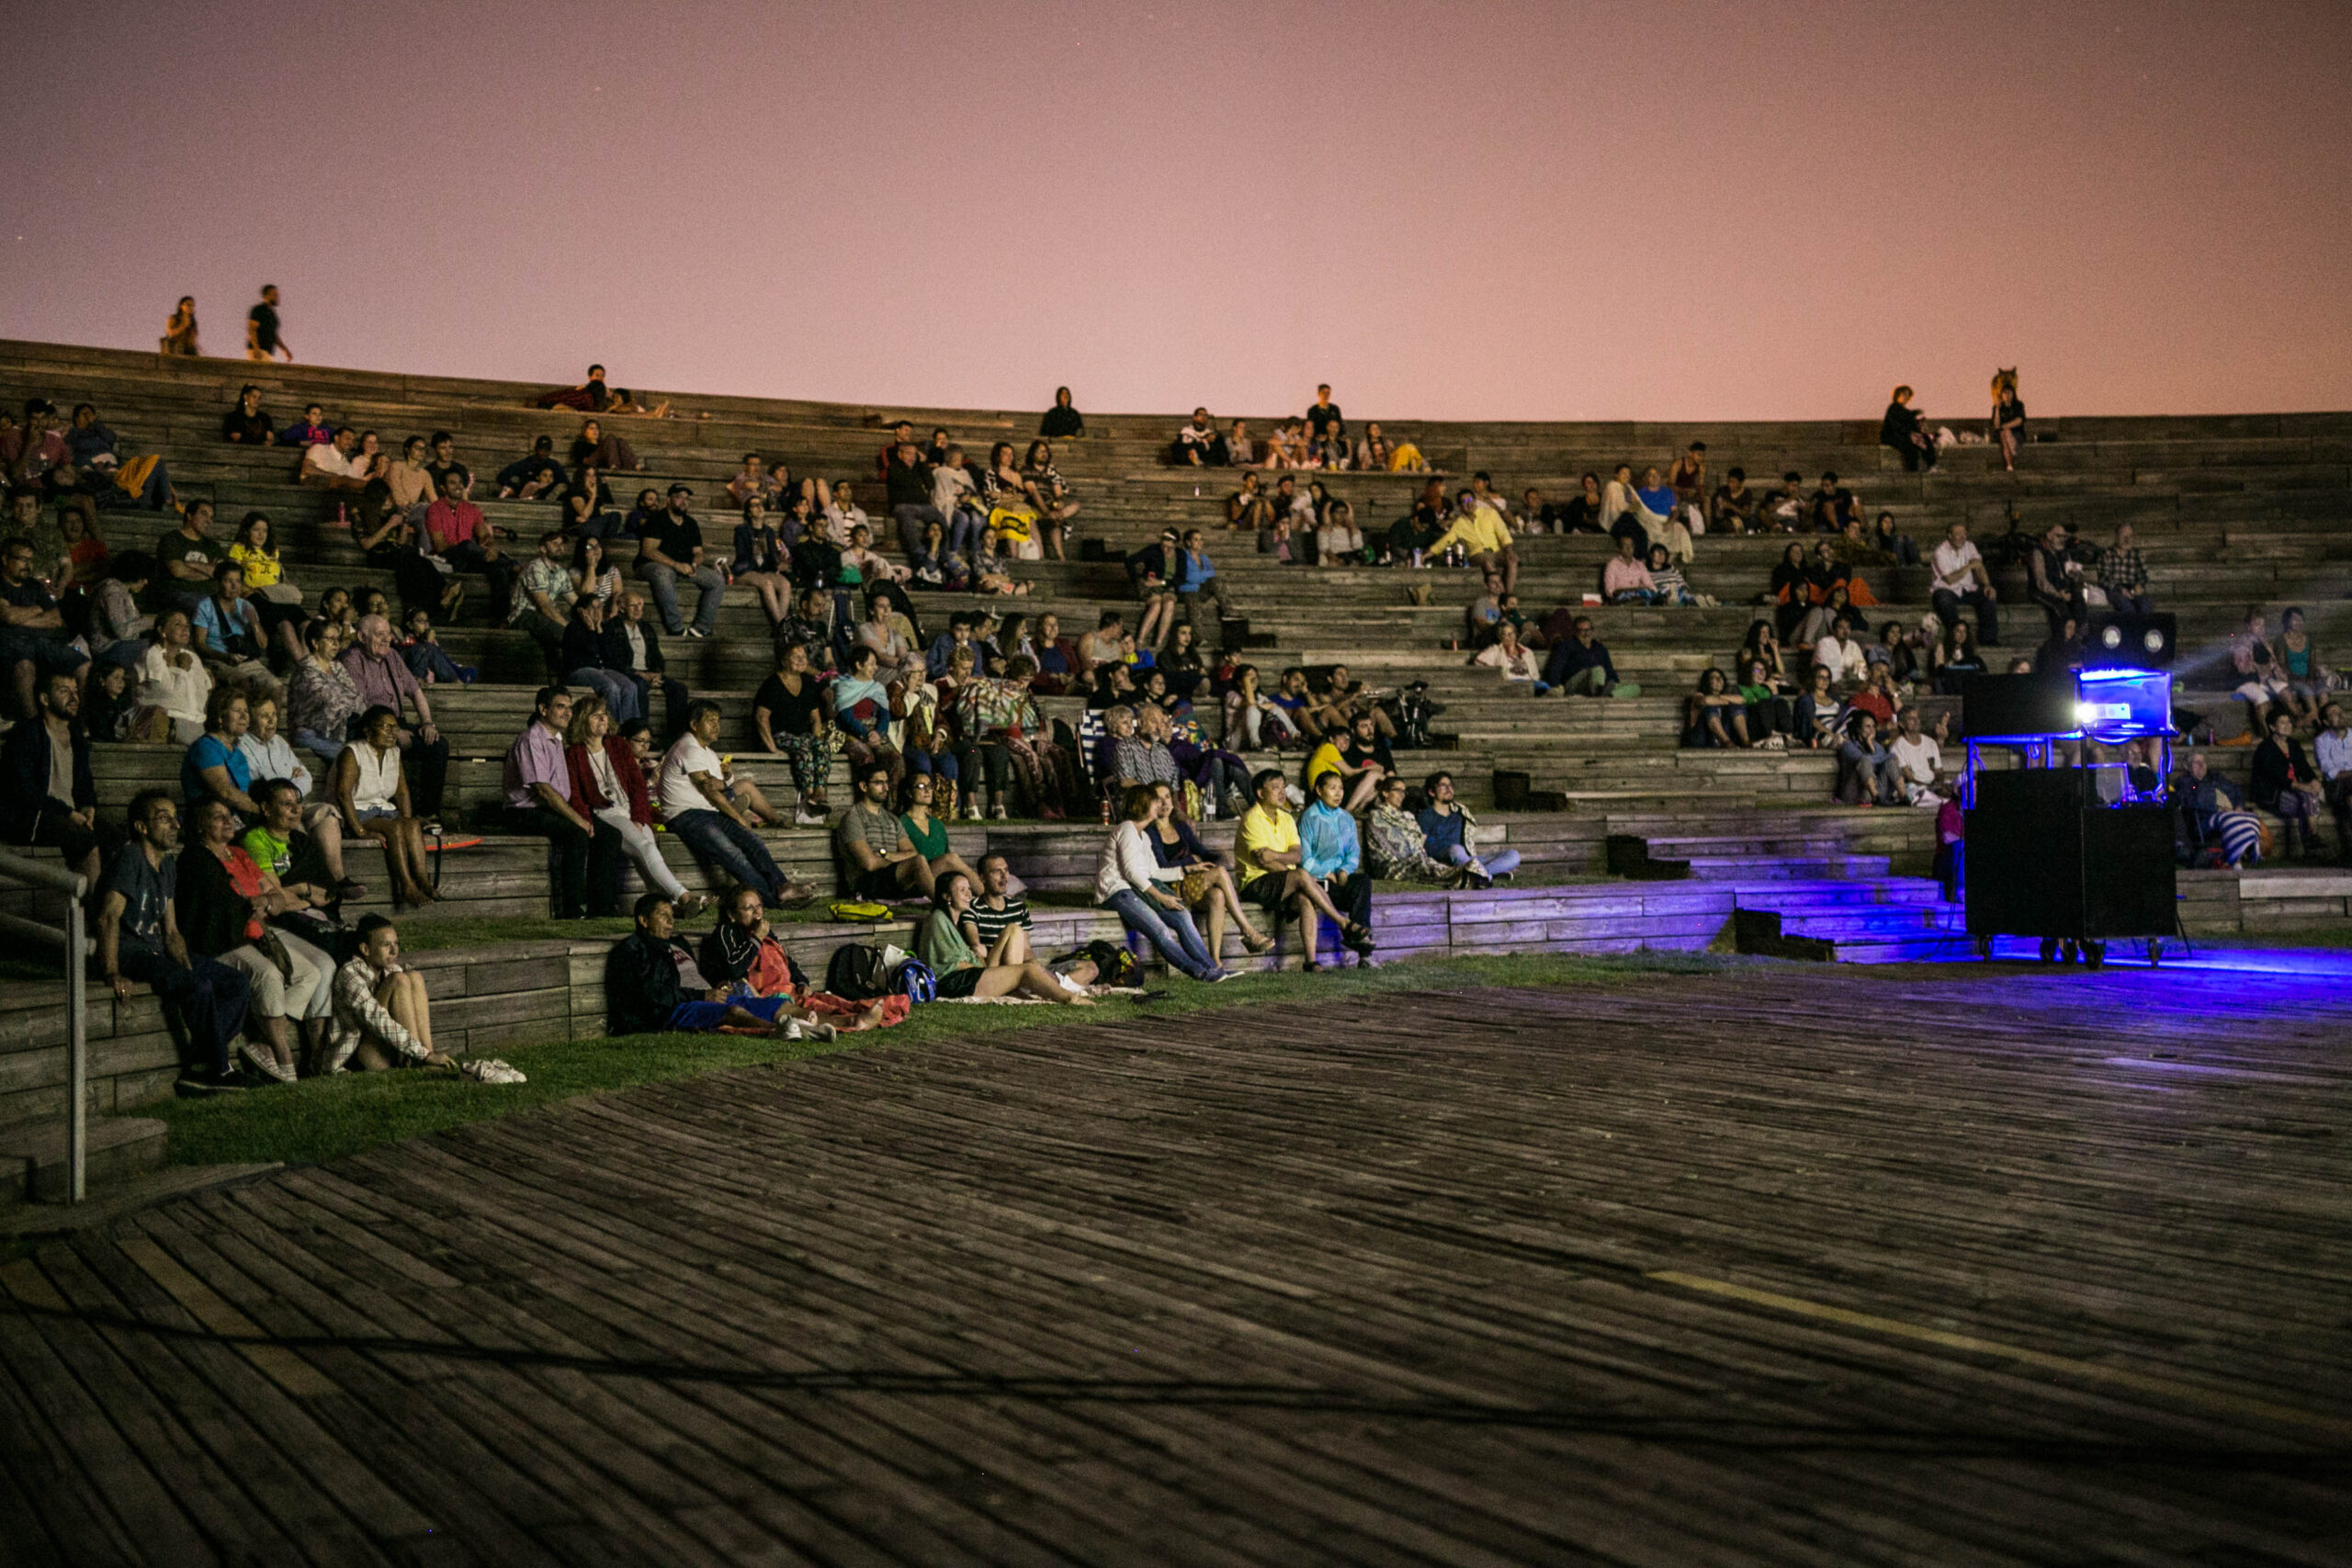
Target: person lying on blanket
[
  {"x": 743, "y": 955},
  {"x": 653, "y": 982}
]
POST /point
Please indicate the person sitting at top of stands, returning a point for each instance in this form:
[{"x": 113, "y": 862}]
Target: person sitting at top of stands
[
  {"x": 694, "y": 792},
  {"x": 1714, "y": 715},
  {"x": 49, "y": 797},
  {"x": 594, "y": 395},
  {"x": 139, "y": 940},
  {"x": 1197, "y": 445},
  {"x": 1832, "y": 505},
  {"x": 1901, "y": 429},
  {"x": 1129, "y": 880},
  {"x": 944, "y": 941},
  {"x": 1867, "y": 772},
  {"x": 1062, "y": 421},
  {"x": 33, "y": 641},
  {"x": 384, "y": 680},
  {"x": 1485, "y": 539},
  {"x": 653, "y": 981},
  {"x": 878, "y": 860},
  {"x": 1579, "y": 664},
  {"x": 1451, "y": 835},
  {"x": 2286, "y": 785},
  {"x": 247, "y": 424}
]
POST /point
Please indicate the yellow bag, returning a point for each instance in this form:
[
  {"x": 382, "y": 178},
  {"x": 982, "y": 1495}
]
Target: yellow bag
[
  {"x": 866, "y": 914},
  {"x": 1011, "y": 525}
]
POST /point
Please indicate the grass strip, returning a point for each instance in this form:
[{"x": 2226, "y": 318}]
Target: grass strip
[{"x": 325, "y": 1119}]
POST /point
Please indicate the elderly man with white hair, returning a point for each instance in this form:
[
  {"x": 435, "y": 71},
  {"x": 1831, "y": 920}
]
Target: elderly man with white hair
[{"x": 384, "y": 677}]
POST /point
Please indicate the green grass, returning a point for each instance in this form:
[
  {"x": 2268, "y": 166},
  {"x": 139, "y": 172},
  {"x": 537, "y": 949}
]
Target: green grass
[{"x": 324, "y": 1119}]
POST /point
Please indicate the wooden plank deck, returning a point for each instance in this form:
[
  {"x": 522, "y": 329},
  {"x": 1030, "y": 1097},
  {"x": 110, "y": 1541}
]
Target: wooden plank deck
[{"x": 1787, "y": 1266}]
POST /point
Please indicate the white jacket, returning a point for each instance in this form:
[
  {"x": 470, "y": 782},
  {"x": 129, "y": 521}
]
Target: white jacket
[{"x": 1127, "y": 865}]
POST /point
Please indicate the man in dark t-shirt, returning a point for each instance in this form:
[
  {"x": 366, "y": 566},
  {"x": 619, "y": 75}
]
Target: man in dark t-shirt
[
  {"x": 139, "y": 939},
  {"x": 262, "y": 339},
  {"x": 668, "y": 548}
]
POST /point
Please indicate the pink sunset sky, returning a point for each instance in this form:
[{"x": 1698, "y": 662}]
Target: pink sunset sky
[{"x": 1465, "y": 210}]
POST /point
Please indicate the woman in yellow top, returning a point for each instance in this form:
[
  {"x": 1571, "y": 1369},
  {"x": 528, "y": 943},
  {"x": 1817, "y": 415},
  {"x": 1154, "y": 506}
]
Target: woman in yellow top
[{"x": 278, "y": 602}]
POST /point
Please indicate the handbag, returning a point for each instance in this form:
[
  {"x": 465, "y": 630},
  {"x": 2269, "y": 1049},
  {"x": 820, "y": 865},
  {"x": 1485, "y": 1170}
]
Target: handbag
[{"x": 280, "y": 593}]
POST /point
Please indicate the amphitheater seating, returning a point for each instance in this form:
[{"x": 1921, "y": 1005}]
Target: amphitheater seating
[{"x": 2229, "y": 511}]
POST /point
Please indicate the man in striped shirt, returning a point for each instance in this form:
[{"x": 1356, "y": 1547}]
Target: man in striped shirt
[{"x": 998, "y": 907}]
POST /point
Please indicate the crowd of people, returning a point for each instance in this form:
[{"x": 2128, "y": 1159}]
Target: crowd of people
[{"x": 305, "y": 720}]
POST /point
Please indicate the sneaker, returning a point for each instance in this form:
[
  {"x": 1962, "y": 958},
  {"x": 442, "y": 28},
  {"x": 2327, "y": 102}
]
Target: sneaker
[
  {"x": 694, "y": 634},
  {"x": 971, "y": 811},
  {"x": 259, "y": 1060},
  {"x": 999, "y": 814},
  {"x": 804, "y": 818}
]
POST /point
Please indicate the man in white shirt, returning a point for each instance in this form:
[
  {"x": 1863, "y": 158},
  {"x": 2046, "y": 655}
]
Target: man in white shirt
[
  {"x": 1960, "y": 578},
  {"x": 1840, "y": 655},
  {"x": 2332, "y": 755},
  {"x": 952, "y": 491},
  {"x": 328, "y": 463},
  {"x": 691, "y": 790},
  {"x": 1921, "y": 762},
  {"x": 841, "y": 514}
]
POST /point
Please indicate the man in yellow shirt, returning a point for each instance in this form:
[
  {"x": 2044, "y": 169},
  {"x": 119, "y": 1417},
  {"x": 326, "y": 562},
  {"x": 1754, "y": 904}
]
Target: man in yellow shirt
[
  {"x": 1266, "y": 849},
  {"x": 1480, "y": 530}
]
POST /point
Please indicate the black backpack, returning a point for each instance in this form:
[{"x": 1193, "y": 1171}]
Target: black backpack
[{"x": 856, "y": 973}]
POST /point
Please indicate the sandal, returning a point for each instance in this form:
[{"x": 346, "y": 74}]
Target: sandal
[{"x": 1263, "y": 944}]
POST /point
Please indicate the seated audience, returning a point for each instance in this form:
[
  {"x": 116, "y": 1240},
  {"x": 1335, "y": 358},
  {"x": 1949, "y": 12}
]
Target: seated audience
[
  {"x": 1771, "y": 719},
  {"x": 34, "y": 644},
  {"x": 2055, "y": 579},
  {"x": 1128, "y": 879},
  {"x": 2298, "y": 661},
  {"x": 788, "y": 713},
  {"x": 269, "y": 756},
  {"x": 382, "y": 1017},
  {"x": 1331, "y": 853},
  {"x": 1714, "y": 715},
  {"x": 384, "y": 680},
  {"x": 1902, "y": 429},
  {"x": 50, "y": 796},
  {"x": 1832, "y": 505},
  {"x": 174, "y": 687},
  {"x": 228, "y": 633},
  {"x": 247, "y": 424},
  {"x": 653, "y": 981},
  {"x": 139, "y": 941},
  {"x": 1062, "y": 421},
  {"x": 1838, "y": 653},
  {"x": 371, "y": 789},
  {"x": 536, "y": 476},
  {"x": 608, "y": 454},
  {"x": 222, "y": 898},
  {"x": 1895, "y": 546},
  {"x": 1393, "y": 844},
  {"x": 2286, "y": 785},
  {"x": 1485, "y": 539},
  {"x": 2213, "y": 811},
  {"x": 605, "y": 784},
  {"x": 2332, "y": 758},
  {"x": 1205, "y": 883},
  {"x": 1450, "y": 835},
  {"x": 1732, "y": 509},
  {"x": 1921, "y": 762},
  {"x": 215, "y": 766},
  {"x": 693, "y": 789},
  {"x": 878, "y": 858},
  {"x": 944, "y": 941},
  {"x": 456, "y": 533},
  {"x": 322, "y": 699},
  {"x": 1867, "y": 773},
  {"x": 1579, "y": 665},
  {"x": 2009, "y": 418}
]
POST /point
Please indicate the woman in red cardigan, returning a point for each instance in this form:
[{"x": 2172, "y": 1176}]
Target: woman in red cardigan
[{"x": 607, "y": 785}]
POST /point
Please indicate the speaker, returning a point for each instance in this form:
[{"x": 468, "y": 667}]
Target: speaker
[
  {"x": 2139, "y": 642},
  {"x": 2007, "y": 706},
  {"x": 2046, "y": 859}
]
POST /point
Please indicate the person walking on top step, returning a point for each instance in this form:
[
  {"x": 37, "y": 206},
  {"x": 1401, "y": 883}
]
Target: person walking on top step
[
  {"x": 1901, "y": 429},
  {"x": 1451, "y": 835},
  {"x": 265, "y": 336}
]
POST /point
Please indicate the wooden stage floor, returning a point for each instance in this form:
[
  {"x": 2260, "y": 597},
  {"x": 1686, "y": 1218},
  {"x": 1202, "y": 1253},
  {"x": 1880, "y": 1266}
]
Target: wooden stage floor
[{"x": 1795, "y": 1265}]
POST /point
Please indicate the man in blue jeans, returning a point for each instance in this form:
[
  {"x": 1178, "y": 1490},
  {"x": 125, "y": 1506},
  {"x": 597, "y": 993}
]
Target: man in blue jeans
[
  {"x": 139, "y": 939},
  {"x": 668, "y": 548},
  {"x": 692, "y": 791},
  {"x": 1452, "y": 835}
]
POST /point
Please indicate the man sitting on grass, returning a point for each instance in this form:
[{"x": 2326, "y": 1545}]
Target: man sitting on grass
[
  {"x": 653, "y": 982},
  {"x": 743, "y": 952}
]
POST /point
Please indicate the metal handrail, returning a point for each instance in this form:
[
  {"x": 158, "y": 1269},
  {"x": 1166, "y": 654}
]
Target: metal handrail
[{"x": 57, "y": 879}]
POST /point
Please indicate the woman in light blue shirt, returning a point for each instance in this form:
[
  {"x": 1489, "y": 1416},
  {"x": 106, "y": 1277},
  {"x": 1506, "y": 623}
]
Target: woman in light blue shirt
[{"x": 1331, "y": 851}]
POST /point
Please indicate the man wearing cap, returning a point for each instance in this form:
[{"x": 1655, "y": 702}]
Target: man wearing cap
[{"x": 670, "y": 546}]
